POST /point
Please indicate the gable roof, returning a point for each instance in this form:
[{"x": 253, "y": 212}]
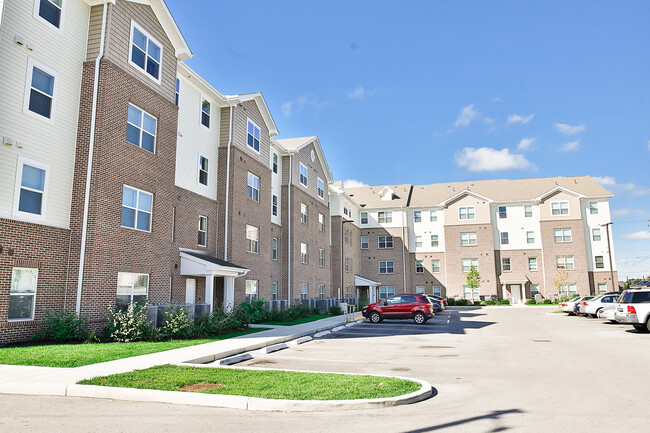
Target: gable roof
[
  {"x": 294, "y": 145},
  {"x": 263, "y": 107},
  {"x": 369, "y": 196}
]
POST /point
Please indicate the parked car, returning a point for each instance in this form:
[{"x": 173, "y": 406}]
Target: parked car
[
  {"x": 567, "y": 306},
  {"x": 416, "y": 307},
  {"x": 607, "y": 313},
  {"x": 576, "y": 306},
  {"x": 438, "y": 302},
  {"x": 633, "y": 308},
  {"x": 592, "y": 306}
]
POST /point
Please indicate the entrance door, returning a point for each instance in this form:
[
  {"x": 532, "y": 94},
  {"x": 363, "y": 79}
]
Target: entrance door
[
  {"x": 190, "y": 290},
  {"x": 515, "y": 290}
]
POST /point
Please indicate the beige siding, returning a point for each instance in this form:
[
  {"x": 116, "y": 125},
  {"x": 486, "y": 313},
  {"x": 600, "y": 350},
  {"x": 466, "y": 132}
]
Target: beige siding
[
  {"x": 481, "y": 206},
  {"x": 574, "y": 207},
  {"x": 248, "y": 110}
]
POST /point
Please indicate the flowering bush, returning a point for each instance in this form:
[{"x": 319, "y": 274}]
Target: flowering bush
[
  {"x": 177, "y": 323},
  {"x": 128, "y": 325}
]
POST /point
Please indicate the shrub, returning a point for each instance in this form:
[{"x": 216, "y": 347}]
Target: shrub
[
  {"x": 61, "y": 326},
  {"x": 462, "y": 302},
  {"x": 531, "y": 302},
  {"x": 504, "y": 302},
  {"x": 128, "y": 325},
  {"x": 547, "y": 301},
  {"x": 315, "y": 310},
  {"x": 257, "y": 311},
  {"x": 335, "y": 310},
  {"x": 451, "y": 302},
  {"x": 177, "y": 323},
  {"x": 490, "y": 302}
]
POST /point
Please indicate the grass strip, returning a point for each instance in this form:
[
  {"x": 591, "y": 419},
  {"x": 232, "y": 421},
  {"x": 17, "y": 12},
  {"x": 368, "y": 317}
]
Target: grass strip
[
  {"x": 307, "y": 319},
  {"x": 76, "y": 355},
  {"x": 260, "y": 383}
]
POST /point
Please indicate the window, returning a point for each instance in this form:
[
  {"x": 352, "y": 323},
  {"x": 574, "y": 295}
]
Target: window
[
  {"x": 22, "y": 294},
  {"x": 274, "y": 290},
  {"x": 203, "y": 231},
  {"x": 253, "y": 187},
  {"x": 304, "y": 258},
  {"x": 502, "y": 212},
  {"x": 253, "y": 238},
  {"x": 253, "y": 136},
  {"x": 595, "y": 234},
  {"x": 435, "y": 266},
  {"x": 321, "y": 222},
  {"x": 386, "y": 267},
  {"x": 136, "y": 209},
  {"x": 433, "y": 215},
  {"x": 205, "y": 113},
  {"x": 304, "y": 290},
  {"x": 385, "y": 242},
  {"x": 417, "y": 216},
  {"x": 386, "y": 292},
  {"x": 565, "y": 262},
  {"x": 504, "y": 238},
  {"x": 321, "y": 291},
  {"x": 303, "y": 175},
  {"x": 31, "y": 188},
  {"x": 251, "y": 290},
  {"x": 505, "y": 264},
  {"x": 50, "y": 11},
  {"x": 532, "y": 263},
  {"x": 562, "y": 235},
  {"x": 146, "y": 52},
  {"x": 600, "y": 263},
  {"x": 468, "y": 263},
  {"x": 419, "y": 267},
  {"x": 528, "y": 210},
  {"x": 178, "y": 91},
  {"x": 468, "y": 294},
  {"x": 593, "y": 207},
  {"x": 569, "y": 290},
  {"x": 40, "y": 91},
  {"x": 274, "y": 205},
  {"x": 347, "y": 291},
  {"x": 385, "y": 217},
  {"x": 419, "y": 290},
  {"x": 321, "y": 258},
  {"x": 275, "y": 163},
  {"x": 364, "y": 217},
  {"x": 321, "y": 187},
  {"x": 434, "y": 240},
  {"x": 418, "y": 241},
  {"x": 468, "y": 239},
  {"x": 347, "y": 264},
  {"x": 141, "y": 128},
  {"x": 530, "y": 237},
  {"x": 534, "y": 290},
  {"x": 437, "y": 290},
  {"x": 345, "y": 210},
  {"x": 466, "y": 213},
  {"x": 559, "y": 208},
  {"x": 274, "y": 249},
  {"x": 303, "y": 213},
  {"x": 346, "y": 235},
  {"x": 364, "y": 242},
  {"x": 602, "y": 288},
  {"x": 203, "y": 170},
  {"x": 131, "y": 288}
]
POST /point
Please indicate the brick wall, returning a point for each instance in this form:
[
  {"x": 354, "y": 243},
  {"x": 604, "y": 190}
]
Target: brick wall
[{"x": 575, "y": 248}]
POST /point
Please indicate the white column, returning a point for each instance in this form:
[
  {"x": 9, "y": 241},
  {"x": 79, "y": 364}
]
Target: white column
[
  {"x": 209, "y": 291},
  {"x": 228, "y": 293},
  {"x": 523, "y": 293}
]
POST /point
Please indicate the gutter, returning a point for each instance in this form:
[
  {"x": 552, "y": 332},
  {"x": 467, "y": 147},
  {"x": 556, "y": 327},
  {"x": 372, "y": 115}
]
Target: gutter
[
  {"x": 225, "y": 246},
  {"x": 91, "y": 147},
  {"x": 403, "y": 248}
]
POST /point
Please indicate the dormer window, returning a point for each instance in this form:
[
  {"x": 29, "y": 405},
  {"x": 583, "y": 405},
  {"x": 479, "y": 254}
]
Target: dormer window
[{"x": 386, "y": 193}]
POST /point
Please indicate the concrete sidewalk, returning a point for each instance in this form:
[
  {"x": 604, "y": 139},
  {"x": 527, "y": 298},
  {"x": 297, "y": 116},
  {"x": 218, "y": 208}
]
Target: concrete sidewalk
[{"x": 18, "y": 379}]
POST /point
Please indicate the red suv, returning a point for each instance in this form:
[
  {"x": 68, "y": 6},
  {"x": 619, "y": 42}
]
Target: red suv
[{"x": 416, "y": 307}]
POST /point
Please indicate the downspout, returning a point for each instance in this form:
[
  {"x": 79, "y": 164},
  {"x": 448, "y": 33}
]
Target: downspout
[
  {"x": 289, "y": 215},
  {"x": 91, "y": 147},
  {"x": 403, "y": 248},
  {"x": 225, "y": 246}
]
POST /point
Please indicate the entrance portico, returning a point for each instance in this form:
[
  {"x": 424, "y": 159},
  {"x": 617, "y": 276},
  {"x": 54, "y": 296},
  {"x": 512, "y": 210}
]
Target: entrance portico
[
  {"x": 365, "y": 285},
  {"x": 515, "y": 284}
]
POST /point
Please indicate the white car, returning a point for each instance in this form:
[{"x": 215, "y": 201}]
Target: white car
[
  {"x": 592, "y": 306},
  {"x": 633, "y": 308},
  {"x": 607, "y": 313},
  {"x": 567, "y": 306}
]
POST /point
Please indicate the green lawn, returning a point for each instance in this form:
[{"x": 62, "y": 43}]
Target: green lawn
[
  {"x": 261, "y": 383},
  {"x": 76, "y": 355},
  {"x": 307, "y": 319}
]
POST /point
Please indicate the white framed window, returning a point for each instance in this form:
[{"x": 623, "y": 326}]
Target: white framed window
[
  {"x": 22, "y": 294},
  {"x": 304, "y": 291},
  {"x": 562, "y": 235},
  {"x": 146, "y": 52},
  {"x": 419, "y": 290},
  {"x": 132, "y": 287},
  {"x": 40, "y": 91},
  {"x": 505, "y": 264},
  {"x": 386, "y": 292},
  {"x": 593, "y": 207},
  {"x": 178, "y": 91},
  {"x": 559, "y": 208},
  {"x": 418, "y": 241},
  {"x": 469, "y": 294},
  {"x": 203, "y": 231},
  {"x": 253, "y": 187},
  {"x": 275, "y": 163},
  {"x": 384, "y": 242},
  {"x": 347, "y": 264},
  {"x": 274, "y": 250},
  {"x": 466, "y": 213},
  {"x": 503, "y": 213},
  {"x": 364, "y": 217},
  {"x": 321, "y": 222},
  {"x": 565, "y": 262},
  {"x": 274, "y": 205},
  {"x": 437, "y": 290},
  {"x": 417, "y": 216},
  {"x": 203, "y": 170},
  {"x": 602, "y": 287},
  {"x": 569, "y": 290},
  {"x": 595, "y": 234},
  {"x": 321, "y": 187},
  {"x": 385, "y": 217},
  {"x": 504, "y": 238},
  {"x": 532, "y": 263},
  {"x": 141, "y": 128},
  {"x": 251, "y": 290},
  {"x": 528, "y": 210},
  {"x": 433, "y": 215},
  {"x": 274, "y": 290},
  {"x": 304, "y": 217},
  {"x": 468, "y": 239},
  {"x": 50, "y": 12},
  {"x": 364, "y": 242},
  {"x": 600, "y": 262},
  {"x": 30, "y": 193},
  {"x": 434, "y": 240},
  {"x": 347, "y": 291},
  {"x": 419, "y": 267},
  {"x": 304, "y": 255},
  {"x": 534, "y": 290},
  {"x": 468, "y": 263},
  {"x": 304, "y": 173},
  {"x": 253, "y": 239},
  {"x": 321, "y": 259},
  {"x": 205, "y": 113},
  {"x": 137, "y": 207},
  {"x": 386, "y": 267},
  {"x": 346, "y": 236},
  {"x": 530, "y": 237},
  {"x": 435, "y": 266},
  {"x": 321, "y": 291},
  {"x": 253, "y": 136}
]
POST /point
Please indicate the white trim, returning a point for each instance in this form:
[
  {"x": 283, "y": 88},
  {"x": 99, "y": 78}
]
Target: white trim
[
  {"x": 559, "y": 188},
  {"x": 198, "y": 174},
  {"x": 568, "y": 208},
  {"x": 155, "y": 41},
  {"x": 31, "y": 64},
  {"x": 133, "y": 276},
  {"x": 141, "y": 128},
  {"x": 137, "y": 209},
  {"x": 18, "y": 181},
  {"x": 460, "y": 194},
  {"x": 203, "y": 98},
  {"x": 304, "y": 185},
  {"x": 204, "y": 231},
  {"x": 258, "y": 151},
  {"x": 59, "y": 30},
  {"x": 33, "y": 303},
  {"x": 319, "y": 180}
]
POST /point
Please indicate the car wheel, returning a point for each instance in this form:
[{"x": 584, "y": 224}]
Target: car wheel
[
  {"x": 647, "y": 325},
  {"x": 374, "y": 317},
  {"x": 598, "y": 311},
  {"x": 419, "y": 318}
]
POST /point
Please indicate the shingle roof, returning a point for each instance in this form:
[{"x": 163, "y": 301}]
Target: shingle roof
[
  {"x": 369, "y": 195},
  {"x": 212, "y": 259},
  {"x": 295, "y": 143}
]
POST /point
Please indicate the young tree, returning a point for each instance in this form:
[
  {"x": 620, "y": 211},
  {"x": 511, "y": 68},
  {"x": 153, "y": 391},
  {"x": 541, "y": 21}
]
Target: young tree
[
  {"x": 562, "y": 280},
  {"x": 473, "y": 280}
]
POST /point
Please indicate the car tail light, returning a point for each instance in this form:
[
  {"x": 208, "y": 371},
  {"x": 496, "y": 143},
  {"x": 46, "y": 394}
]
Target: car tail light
[
  {"x": 585, "y": 303},
  {"x": 563, "y": 305},
  {"x": 631, "y": 309}
]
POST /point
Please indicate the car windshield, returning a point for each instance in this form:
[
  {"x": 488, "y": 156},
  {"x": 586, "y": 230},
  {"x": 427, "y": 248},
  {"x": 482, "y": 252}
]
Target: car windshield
[{"x": 577, "y": 298}]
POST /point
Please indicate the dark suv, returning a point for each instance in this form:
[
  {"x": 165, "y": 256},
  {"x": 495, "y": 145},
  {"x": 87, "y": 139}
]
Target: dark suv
[{"x": 416, "y": 307}]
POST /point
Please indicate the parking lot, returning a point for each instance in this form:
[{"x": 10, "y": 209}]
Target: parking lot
[{"x": 493, "y": 369}]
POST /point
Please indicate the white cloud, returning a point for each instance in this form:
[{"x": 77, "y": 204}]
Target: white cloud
[
  {"x": 488, "y": 120},
  {"x": 568, "y": 129},
  {"x": 525, "y": 143},
  {"x": 643, "y": 234},
  {"x": 489, "y": 159},
  {"x": 516, "y": 118},
  {"x": 569, "y": 147},
  {"x": 605, "y": 180},
  {"x": 610, "y": 181},
  {"x": 351, "y": 183},
  {"x": 300, "y": 103},
  {"x": 360, "y": 92},
  {"x": 467, "y": 114},
  {"x": 496, "y": 99},
  {"x": 621, "y": 212}
]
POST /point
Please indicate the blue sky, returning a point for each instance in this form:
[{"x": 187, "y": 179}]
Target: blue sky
[{"x": 432, "y": 91}]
